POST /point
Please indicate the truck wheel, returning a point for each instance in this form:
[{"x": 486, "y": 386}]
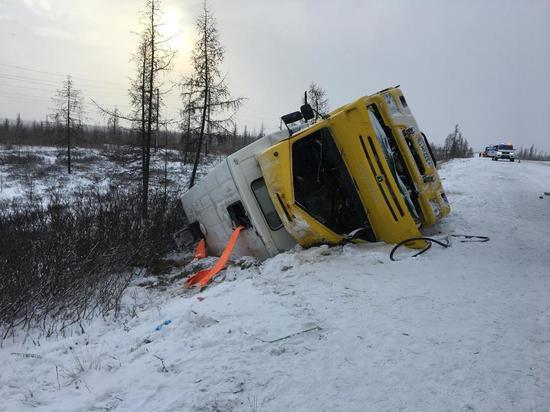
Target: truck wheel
[{"x": 511, "y": 160}]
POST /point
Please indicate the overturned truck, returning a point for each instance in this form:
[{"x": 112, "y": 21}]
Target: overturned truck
[{"x": 364, "y": 172}]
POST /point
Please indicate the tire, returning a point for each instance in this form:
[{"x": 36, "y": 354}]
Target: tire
[{"x": 511, "y": 160}]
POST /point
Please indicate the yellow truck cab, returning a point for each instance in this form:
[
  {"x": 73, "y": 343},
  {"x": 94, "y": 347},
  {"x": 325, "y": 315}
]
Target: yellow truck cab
[
  {"x": 337, "y": 179},
  {"x": 361, "y": 173}
]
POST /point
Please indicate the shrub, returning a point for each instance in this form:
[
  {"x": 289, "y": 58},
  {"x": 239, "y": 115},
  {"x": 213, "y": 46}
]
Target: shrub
[{"x": 69, "y": 258}]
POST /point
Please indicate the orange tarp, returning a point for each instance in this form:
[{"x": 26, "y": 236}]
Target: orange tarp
[
  {"x": 202, "y": 277},
  {"x": 200, "y": 251}
]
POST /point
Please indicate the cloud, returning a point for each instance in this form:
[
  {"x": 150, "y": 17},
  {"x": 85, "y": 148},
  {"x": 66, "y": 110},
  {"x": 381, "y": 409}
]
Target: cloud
[
  {"x": 54, "y": 33},
  {"x": 38, "y": 6},
  {"x": 4, "y": 15}
]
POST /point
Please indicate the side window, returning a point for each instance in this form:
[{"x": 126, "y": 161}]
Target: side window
[{"x": 266, "y": 205}]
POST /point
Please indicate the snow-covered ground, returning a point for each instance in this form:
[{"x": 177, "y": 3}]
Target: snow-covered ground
[
  {"x": 31, "y": 170},
  {"x": 331, "y": 329}
]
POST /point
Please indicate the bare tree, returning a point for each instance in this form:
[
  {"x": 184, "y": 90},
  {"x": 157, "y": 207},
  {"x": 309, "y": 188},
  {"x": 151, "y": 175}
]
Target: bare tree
[
  {"x": 153, "y": 58},
  {"x": 18, "y": 126},
  {"x": 190, "y": 115},
  {"x": 261, "y": 133},
  {"x": 456, "y": 146},
  {"x": 206, "y": 90},
  {"x": 113, "y": 124},
  {"x": 69, "y": 111},
  {"x": 137, "y": 94},
  {"x": 317, "y": 98}
]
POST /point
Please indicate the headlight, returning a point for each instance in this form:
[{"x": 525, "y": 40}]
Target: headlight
[{"x": 435, "y": 208}]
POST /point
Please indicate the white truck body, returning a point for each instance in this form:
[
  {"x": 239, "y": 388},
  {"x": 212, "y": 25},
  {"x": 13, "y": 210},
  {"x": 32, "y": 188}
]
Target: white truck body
[{"x": 227, "y": 185}]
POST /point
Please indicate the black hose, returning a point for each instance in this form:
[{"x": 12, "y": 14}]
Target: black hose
[
  {"x": 468, "y": 238},
  {"x": 427, "y": 239},
  {"x": 472, "y": 238}
]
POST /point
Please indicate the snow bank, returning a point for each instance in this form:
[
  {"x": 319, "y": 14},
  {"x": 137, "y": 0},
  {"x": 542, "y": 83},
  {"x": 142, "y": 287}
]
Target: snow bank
[{"x": 332, "y": 329}]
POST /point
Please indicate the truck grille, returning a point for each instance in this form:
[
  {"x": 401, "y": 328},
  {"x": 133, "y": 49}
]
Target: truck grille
[{"x": 380, "y": 178}]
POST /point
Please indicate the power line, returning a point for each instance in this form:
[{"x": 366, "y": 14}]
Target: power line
[
  {"x": 18, "y": 78},
  {"x": 24, "y": 96},
  {"x": 15, "y": 95},
  {"x": 55, "y": 74},
  {"x": 52, "y": 91},
  {"x": 36, "y": 97},
  {"x": 27, "y": 87},
  {"x": 27, "y": 79},
  {"x": 51, "y": 96}
]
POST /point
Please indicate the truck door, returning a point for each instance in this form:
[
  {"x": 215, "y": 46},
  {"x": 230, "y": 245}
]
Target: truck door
[{"x": 251, "y": 185}]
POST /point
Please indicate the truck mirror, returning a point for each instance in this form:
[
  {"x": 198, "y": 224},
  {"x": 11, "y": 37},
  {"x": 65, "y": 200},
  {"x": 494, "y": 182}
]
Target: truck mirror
[
  {"x": 291, "y": 117},
  {"x": 307, "y": 112}
]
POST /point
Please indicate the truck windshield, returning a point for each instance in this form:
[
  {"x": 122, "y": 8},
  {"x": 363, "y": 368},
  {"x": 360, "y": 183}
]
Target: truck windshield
[
  {"x": 323, "y": 186},
  {"x": 505, "y": 147},
  {"x": 388, "y": 154}
]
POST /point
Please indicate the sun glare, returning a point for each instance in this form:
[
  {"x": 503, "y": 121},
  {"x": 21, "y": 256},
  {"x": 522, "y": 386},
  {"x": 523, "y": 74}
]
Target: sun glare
[{"x": 172, "y": 29}]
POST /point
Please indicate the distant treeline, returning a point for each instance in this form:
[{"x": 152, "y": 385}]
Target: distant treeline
[
  {"x": 532, "y": 154},
  {"x": 47, "y": 133},
  {"x": 455, "y": 146}
]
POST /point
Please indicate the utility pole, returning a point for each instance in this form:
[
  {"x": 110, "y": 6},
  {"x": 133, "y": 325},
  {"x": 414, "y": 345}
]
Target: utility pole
[
  {"x": 165, "y": 163},
  {"x": 188, "y": 137},
  {"x": 157, "y": 131}
]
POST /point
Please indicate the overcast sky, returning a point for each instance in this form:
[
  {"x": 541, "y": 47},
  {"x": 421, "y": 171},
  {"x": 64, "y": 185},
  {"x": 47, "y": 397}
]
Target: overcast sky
[{"x": 482, "y": 64}]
